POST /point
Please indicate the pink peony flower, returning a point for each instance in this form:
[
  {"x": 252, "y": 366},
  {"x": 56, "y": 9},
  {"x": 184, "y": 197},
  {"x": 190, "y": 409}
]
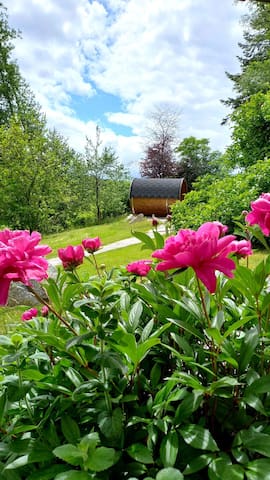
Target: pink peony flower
[
  {"x": 222, "y": 228},
  {"x": 21, "y": 259},
  {"x": 242, "y": 248},
  {"x": 71, "y": 257},
  {"x": 44, "y": 311},
  {"x": 260, "y": 214},
  {"x": 203, "y": 250},
  {"x": 29, "y": 314},
  {"x": 91, "y": 245},
  {"x": 140, "y": 268}
]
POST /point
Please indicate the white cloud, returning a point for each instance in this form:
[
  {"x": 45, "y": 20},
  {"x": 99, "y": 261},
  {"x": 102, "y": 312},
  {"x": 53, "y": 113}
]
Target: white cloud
[{"x": 145, "y": 52}]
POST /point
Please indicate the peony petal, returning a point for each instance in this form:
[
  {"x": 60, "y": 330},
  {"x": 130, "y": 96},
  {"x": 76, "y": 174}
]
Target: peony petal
[
  {"x": 207, "y": 277},
  {"x": 4, "y": 288}
]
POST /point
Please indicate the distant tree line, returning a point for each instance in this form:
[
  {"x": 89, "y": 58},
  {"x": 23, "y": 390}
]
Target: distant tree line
[
  {"x": 44, "y": 183},
  {"x": 164, "y": 157}
]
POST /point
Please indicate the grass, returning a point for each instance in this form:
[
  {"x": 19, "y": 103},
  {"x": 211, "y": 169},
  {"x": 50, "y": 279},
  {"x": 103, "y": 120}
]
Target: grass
[
  {"x": 253, "y": 260},
  {"x": 108, "y": 233},
  {"x": 117, "y": 258},
  {"x": 10, "y": 317}
]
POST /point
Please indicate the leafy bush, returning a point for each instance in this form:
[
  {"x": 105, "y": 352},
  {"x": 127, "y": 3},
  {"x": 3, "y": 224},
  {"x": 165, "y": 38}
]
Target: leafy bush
[
  {"x": 221, "y": 199},
  {"x": 123, "y": 376}
]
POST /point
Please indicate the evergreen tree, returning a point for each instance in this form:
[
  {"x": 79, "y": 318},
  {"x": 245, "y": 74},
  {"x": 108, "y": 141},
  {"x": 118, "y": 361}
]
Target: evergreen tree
[
  {"x": 255, "y": 58},
  {"x": 10, "y": 78}
]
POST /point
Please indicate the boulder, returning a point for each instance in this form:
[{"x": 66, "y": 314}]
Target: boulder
[{"x": 20, "y": 295}]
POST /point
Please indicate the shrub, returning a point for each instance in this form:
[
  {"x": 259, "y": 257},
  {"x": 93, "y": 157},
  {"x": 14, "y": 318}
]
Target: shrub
[
  {"x": 125, "y": 376},
  {"x": 221, "y": 199}
]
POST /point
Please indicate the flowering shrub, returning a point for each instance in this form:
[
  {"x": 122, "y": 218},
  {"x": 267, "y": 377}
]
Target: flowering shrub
[{"x": 160, "y": 372}]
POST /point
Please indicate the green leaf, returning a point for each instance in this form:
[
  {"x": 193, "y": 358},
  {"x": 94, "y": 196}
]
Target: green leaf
[
  {"x": 189, "y": 380},
  {"x": 69, "y": 453},
  {"x": 111, "y": 424},
  {"x": 74, "y": 376},
  {"x": 254, "y": 402},
  {"x": 186, "y": 326},
  {"x": 143, "y": 348},
  {"x": 101, "y": 459},
  {"x": 140, "y": 453},
  {"x": 257, "y": 442},
  {"x": 155, "y": 375},
  {"x": 23, "y": 428},
  {"x": 147, "y": 330},
  {"x": 89, "y": 442},
  {"x": 53, "y": 293},
  {"x": 248, "y": 346},
  {"x": 79, "y": 340},
  {"x": 223, "y": 383},
  {"x": 261, "y": 385},
  {"x": 5, "y": 340},
  {"x": 32, "y": 374},
  {"x": 145, "y": 239},
  {"x": 125, "y": 343},
  {"x": 47, "y": 473},
  {"x": 198, "y": 463},
  {"x": 169, "y": 474},
  {"x": 19, "y": 462},
  {"x": 258, "y": 469},
  {"x": 73, "y": 475},
  {"x": 221, "y": 469},
  {"x": 70, "y": 429},
  {"x": 135, "y": 315},
  {"x": 215, "y": 334},
  {"x": 190, "y": 404},
  {"x": 199, "y": 437},
  {"x": 3, "y": 403},
  {"x": 169, "y": 449},
  {"x": 159, "y": 239}
]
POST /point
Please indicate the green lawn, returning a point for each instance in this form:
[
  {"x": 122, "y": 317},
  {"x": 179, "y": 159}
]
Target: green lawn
[
  {"x": 108, "y": 233},
  {"x": 117, "y": 258}
]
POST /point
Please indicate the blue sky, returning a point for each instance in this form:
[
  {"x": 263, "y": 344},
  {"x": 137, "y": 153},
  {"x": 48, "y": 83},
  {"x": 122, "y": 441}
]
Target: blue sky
[{"x": 111, "y": 62}]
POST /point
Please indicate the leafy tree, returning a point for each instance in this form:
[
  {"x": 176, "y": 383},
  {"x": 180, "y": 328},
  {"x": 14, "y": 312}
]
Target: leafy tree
[
  {"x": 10, "y": 78},
  {"x": 37, "y": 190},
  {"x": 251, "y": 131},
  {"x": 221, "y": 199},
  {"x": 196, "y": 159},
  {"x": 102, "y": 165},
  {"x": 161, "y": 134},
  {"x": 158, "y": 162},
  {"x": 255, "y": 58}
]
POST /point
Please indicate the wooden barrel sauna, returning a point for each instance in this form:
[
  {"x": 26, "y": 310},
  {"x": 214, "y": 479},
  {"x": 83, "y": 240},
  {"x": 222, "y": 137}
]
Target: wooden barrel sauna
[{"x": 155, "y": 195}]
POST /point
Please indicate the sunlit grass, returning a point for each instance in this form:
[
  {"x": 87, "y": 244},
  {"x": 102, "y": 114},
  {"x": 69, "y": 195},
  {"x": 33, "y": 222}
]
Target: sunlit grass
[
  {"x": 255, "y": 259},
  {"x": 116, "y": 258},
  {"x": 10, "y": 317},
  {"x": 108, "y": 233}
]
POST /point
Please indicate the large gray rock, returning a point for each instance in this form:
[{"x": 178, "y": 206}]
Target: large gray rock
[{"x": 20, "y": 295}]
